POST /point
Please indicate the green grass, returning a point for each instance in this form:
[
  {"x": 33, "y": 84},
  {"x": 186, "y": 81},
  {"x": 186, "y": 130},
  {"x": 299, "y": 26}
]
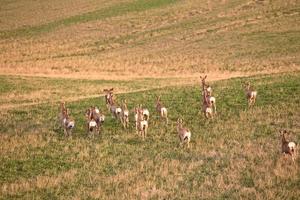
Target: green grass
[
  {"x": 237, "y": 155},
  {"x": 17, "y": 89}
]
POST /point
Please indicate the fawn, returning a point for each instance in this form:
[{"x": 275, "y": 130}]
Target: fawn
[
  {"x": 163, "y": 113},
  {"x": 183, "y": 133}
]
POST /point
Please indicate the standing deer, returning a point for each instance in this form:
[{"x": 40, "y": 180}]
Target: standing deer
[
  {"x": 251, "y": 94},
  {"x": 98, "y": 117},
  {"x": 209, "y": 107},
  {"x": 205, "y": 86},
  {"x": 141, "y": 123},
  {"x": 68, "y": 123},
  {"x": 94, "y": 119},
  {"x": 108, "y": 97},
  {"x": 163, "y": 113},
  {"x": 91, "y": 123},
  {"x": 287, "y": 147},
  {"x": 183, "y": 133},
  {"x": 125, "y": 115},
  {"x": 115, "y": 110},
  {"x": 146, "y": 113}
]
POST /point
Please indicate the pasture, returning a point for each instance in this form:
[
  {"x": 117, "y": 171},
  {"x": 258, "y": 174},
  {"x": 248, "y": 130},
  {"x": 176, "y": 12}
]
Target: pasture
[
  {"x": 236, "y": 155},
  {"x": 70, "y": 50}
]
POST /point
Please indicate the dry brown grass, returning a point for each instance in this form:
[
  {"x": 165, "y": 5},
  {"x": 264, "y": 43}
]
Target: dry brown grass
[
  {"x": 236, "y": 156},
  {"x": 180, "y": 40},
  {"x": 18, "y": 14},
  {"x": 39, "y": 182},
  {"x": 17, "y": 143}
]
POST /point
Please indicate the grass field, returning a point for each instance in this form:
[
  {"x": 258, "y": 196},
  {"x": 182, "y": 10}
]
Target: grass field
[
  {"x": 70, "y": 50},
  {"x": 148, "y": 38},
  {"x": 235, "y": 156}
]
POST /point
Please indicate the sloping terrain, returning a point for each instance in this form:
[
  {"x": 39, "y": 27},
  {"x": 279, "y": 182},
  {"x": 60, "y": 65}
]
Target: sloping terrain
[
  {"x": 70, "y": 50},
  {"x": 235, "y": 156},
  {"x": 158, "y": 38}
]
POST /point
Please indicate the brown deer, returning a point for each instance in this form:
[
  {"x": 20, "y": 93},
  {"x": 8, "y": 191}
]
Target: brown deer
[
  {"x": 125, "y": 115},
  {"x": 162, "y": 111},
  {"x": 141, "y": 123},
  {"x": 287, "y": 147},
  {"x": 68, "y": 123},
  {"x": 251, "y": 94},
  {"x": 184, "y": 134},
  {"x": 108, "y": 97},
  {"x": 209, "y": 107},
  {"x": 91, "y": 123},
  {"x": 115, "y": 110}
]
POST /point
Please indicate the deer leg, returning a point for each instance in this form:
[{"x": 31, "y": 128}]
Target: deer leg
[
  {"x": 65, "y": 132},
  {"x": 207, "y": 115},
  {"x": 215, "y": 108},
  {"x": 88, "y": 129},
  {"x": 293, "y": 158},
  {"x": 137, "y": 128}
]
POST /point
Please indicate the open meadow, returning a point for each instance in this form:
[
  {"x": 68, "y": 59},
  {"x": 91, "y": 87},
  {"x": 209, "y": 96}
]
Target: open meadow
[{"x": 71, "y": 50}]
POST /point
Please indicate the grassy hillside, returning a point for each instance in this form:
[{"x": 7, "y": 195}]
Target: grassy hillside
[
  {"x": 147, "y": 38},
  {"x": 235, "y": 156},
  {"x": 72, "y": 49}
]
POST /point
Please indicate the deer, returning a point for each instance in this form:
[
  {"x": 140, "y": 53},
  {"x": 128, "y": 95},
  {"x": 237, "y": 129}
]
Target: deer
[
  {"x": 108, "y": 96},
  {"x": 68, "y": 123},
  {"x": 209, "y": 102},
  {"x": 146, "y": 113},
  {"x": 163, "y": 113},
  {"x": 98, "y": 117},
  {"x": 115, "y": 110},
  {"x": 184, "y": 134},
  {"x": 287, "y": 147},
  {"x": 125, "y": 115},
  {"x": 205, "y": 86},
  {"x": 206, "y": 108},
  {"x": 251, "y": 94},
  {"x": 95, "y": 120},
  {"x": 61, "y": 115},
  {"x": 141, "y": 123},
  {"x": 91, "y": 123}
]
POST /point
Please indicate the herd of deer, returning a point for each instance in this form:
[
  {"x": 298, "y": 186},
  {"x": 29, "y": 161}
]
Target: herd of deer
[{"x": 95, "y": 118}]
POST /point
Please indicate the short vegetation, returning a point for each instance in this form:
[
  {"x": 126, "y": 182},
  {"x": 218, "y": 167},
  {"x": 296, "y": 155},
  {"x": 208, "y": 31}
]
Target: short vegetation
[{"x": 236, "y": 155}]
